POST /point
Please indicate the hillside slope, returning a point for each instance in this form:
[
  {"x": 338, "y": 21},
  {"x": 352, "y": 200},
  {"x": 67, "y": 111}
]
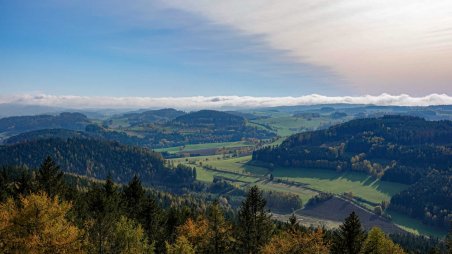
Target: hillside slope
[{"x": 96, "y": 158}]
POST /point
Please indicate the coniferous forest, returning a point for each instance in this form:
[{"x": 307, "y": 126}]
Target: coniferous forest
[
  {"x": 401, "y": 149},
  {"x": 46, "y": 211}
]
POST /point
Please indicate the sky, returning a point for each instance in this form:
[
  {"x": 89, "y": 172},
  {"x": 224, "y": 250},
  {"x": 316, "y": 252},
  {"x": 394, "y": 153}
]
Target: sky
[{"x": 236, "y": 49}]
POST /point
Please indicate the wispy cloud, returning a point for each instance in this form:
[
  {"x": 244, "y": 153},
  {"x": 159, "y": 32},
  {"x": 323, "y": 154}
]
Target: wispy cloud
[
  {"x": 218, "y": 102},
  {"x": 377, "y": 46}
]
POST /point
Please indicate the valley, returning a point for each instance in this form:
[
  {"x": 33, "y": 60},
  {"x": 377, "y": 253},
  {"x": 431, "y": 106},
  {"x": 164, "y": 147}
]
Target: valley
[{"x": 222, "y": 149}]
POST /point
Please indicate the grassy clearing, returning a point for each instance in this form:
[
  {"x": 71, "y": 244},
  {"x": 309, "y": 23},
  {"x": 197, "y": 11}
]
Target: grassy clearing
[
  {"x": 360, "y": 184},
  {"x": 286, "y": 124},
  {"x": 204, "y": 175},
  {"x": 304, "y": 194},
  {"x": 415, "y": 226},
  {"x": 195, "y": 147},
  {"x": 238, "y": 165}
]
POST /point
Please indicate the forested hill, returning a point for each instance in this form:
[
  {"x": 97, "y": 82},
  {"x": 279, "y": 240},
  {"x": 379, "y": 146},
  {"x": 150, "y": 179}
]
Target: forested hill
[
  {"x": 209, "y": 118},
  {"x": 150, "y": 116},
  {"x": 402, "y": 149},
  {"x": 17, "y": 124},
  {"x": 397, "y": 148},
  {"x": 96, "y": 158},
  {"x": 208, "y": 126}
]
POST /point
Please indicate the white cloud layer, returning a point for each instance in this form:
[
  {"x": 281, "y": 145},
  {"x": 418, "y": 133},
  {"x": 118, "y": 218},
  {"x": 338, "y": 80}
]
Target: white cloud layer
[{"x": 219, "y": 102}]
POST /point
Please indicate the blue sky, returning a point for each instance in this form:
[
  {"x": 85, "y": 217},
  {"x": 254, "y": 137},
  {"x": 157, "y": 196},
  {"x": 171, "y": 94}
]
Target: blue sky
[
  {"x": 81, "y": 49},
  {"x": 209, "y": 48}
]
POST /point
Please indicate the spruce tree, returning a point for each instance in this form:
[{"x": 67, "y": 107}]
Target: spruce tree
[
  {"x": 254, "y": 223},
  {"x": 103, "y": 207},
  {"x": 50, "y": 178},
  {"x": 220, "y": 237},
  {"x": 134, "y": 197},
  {"x": 350, "y": 236}
]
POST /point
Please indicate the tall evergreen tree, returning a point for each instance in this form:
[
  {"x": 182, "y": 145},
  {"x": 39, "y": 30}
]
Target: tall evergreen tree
[
  {"x": 103, "y": 207},
  {"x": 152, "y": 220},
  {"x": 254, "y": 223},
  {"x": 220, "y": 237},
  {"x": 50, "y": 178},
  {"x": 350, "y": 236},
  {"x": 134, "y": 197}
]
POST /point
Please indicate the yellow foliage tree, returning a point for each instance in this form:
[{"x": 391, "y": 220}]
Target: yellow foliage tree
[
  {"x": 38, "y": 225},
  {"x": 181, "y": 246},
  {"x": 196, "y": 232},
  {"x": 297, "y": 242},
  {"x": 129, "y": 238},
  {"x": 378, "y": 243},
  {"x": 211, "y": 234}
]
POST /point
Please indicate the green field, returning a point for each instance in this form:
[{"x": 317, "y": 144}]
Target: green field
[
  {"x": 195, "y": 147},
  {"x": 415, "y": 226},
  {"x": 360, "y": 184}
]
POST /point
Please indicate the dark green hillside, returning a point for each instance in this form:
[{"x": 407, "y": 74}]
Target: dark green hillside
[
  {"x": 209, "y": 118},
  {"x": 149, "y": 116},
  {"x": 91, "y": 131},
  {"x": 430, "y": 199},
  {"x": 95, "y": 158},
  {"x": 397, "y": 148},
  {"x": 402, "y": 149},
  {"x": 18, "y": 124},
  {"x": 209, "y": 126},
  {"x": 46, "y": 134}
]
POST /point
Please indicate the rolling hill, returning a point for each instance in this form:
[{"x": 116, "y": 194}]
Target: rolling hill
[
  {"x": 96, "y": 158},
  {"x": 401, "y": 149}
]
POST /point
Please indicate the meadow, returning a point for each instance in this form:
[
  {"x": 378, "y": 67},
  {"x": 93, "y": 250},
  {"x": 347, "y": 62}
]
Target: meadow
[
  {"x": 194, "y": 147},
  {"x": 308, "y": 183}
]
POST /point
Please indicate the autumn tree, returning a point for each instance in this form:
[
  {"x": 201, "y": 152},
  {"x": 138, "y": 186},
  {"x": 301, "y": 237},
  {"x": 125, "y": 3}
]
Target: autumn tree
[
  {"x": 378, "y": 243},
  {"x": 196, "y": 232},
  {"x": 220, "y": 231},
  {"x": 289, "y": 241},
  {"x": 129, "y": 237},
  {"x": 181, "y": 246},
  {"x": 38, "y": 224},
  {"x": 254, "y": 227},
  {"x": 350, "y": 236}
]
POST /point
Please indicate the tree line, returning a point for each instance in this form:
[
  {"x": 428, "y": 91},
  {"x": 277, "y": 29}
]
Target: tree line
[{"x": 41, "y": 213}]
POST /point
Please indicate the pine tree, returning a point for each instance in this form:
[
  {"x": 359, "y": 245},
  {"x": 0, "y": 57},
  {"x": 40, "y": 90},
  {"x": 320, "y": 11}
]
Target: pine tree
[
  {"x": 103, "y": 207},
  {"x": 254, "y": 223},
  {"x": 220, "y": 237},
  {"x": 50, "y": 178},
  {"x": 134, "y": 197},
  {"x": 152, "y": 219},
  {"x": 350, "y": 236}
]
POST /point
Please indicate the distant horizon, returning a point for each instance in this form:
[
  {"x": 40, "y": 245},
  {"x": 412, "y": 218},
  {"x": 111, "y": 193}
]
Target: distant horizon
[{"x": 216, "y": 102}]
